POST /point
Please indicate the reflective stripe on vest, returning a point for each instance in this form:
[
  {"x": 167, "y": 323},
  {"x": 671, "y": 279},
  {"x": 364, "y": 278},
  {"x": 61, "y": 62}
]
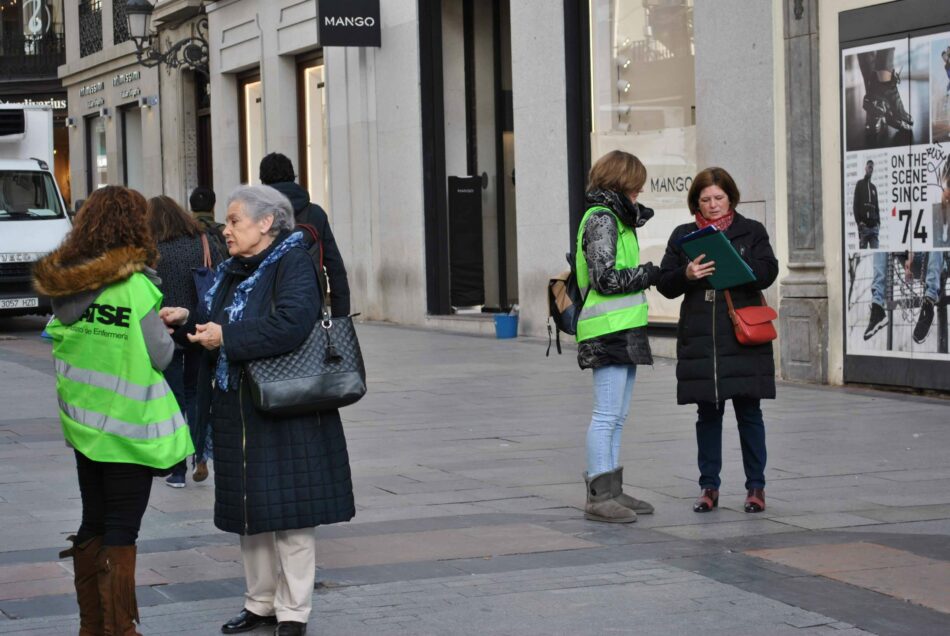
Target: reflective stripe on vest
[
  {"x": 609, "y": 313},
  {"x": 621, "y": 302},
  {"x": 128, "y": 430},
  {"x": 111, "y": 382}
]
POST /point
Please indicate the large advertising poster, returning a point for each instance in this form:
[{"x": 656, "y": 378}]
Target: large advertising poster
[{"x": 896, "y": 193}]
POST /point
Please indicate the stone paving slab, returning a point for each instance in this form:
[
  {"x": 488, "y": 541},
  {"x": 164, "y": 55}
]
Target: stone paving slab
[
  {"x": 645, "y": 596},
  {"x": 876, "y": 567},
  {"x": 441, "y": 544}
]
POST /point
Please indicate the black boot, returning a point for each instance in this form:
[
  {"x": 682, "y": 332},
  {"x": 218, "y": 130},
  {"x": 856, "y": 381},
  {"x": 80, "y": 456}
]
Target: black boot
[
  {"x": 874, "y": 112},
  {"x": 895, "y": 115},
  {"x": 876, "y": 322},
  {"x": 924, "y": 320}
]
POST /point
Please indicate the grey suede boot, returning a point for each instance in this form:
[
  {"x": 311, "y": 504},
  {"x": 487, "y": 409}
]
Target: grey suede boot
[
  {"x": 600, "y": 502},
  {"x": 638, "y": 506}
]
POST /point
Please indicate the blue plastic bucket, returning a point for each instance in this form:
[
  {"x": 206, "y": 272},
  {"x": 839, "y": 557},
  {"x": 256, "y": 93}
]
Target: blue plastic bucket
[{"x": 506, "y": 326}]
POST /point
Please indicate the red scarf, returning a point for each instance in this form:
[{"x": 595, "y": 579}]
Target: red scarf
[{"x": 721, "y": 224}]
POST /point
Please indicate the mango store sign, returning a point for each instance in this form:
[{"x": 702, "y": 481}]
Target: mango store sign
[{"x": 349, "y": 23}]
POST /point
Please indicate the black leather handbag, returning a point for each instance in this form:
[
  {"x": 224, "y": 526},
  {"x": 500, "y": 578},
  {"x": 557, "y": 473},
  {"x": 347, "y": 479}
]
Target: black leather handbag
[{"x": 326, "y": 372}]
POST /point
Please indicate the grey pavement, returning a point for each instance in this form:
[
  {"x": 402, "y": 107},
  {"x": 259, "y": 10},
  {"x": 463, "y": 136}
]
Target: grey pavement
[{"x": 467, "y": 456}]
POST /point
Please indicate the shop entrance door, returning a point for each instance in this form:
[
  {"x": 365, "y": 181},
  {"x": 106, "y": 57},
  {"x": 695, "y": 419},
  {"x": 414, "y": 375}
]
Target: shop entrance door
[{"x": 468, "y": 141}]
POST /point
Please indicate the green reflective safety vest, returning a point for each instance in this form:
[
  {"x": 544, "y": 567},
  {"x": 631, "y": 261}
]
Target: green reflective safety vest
[
  {"x": 602, "y": 313},
  {"x": 113, "y": 405}
]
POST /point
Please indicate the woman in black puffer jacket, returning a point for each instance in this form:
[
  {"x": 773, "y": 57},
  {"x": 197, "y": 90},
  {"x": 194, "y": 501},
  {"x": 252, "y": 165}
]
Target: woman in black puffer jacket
[{"x": 712, "y": 367}]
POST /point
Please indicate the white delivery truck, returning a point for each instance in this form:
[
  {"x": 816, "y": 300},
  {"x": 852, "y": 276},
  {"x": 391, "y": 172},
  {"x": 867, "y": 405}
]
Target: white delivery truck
[{"x": 33, "y": 219}]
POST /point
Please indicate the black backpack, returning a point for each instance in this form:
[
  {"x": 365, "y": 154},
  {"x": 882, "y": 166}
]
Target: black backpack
[{"x": 565, "y": 301}]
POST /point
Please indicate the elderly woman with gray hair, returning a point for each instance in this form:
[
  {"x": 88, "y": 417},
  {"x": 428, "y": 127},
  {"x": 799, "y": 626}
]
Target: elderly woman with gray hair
[{"x": 275, "y": 477}]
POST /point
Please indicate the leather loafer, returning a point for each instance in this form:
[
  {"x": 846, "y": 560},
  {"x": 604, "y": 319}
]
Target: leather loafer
[
  {"x": 246, "y": 621},
  {"x": 290, "y": 628}
]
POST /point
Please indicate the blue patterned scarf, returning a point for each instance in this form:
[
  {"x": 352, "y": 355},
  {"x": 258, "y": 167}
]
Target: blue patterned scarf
[{"x": 235, "y": 310}]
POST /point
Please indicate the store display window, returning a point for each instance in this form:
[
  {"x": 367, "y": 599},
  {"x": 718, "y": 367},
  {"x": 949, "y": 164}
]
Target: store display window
[
  {"x": 251, "y": 112},
  {"x": 643, "y": 92},
  {"x": 97, "y": 160},
  {"x": 312, "y": 123}
]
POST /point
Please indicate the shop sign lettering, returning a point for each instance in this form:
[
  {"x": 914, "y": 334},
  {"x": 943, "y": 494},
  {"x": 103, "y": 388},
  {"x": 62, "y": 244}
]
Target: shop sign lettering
[
  {"x": 91, "y": 89},
  {"x": 52, "y": 102},
  {"x": 349, "y": 23},
  {"x": 96, "y": 103},
  {"x": 125, "y": 78}
]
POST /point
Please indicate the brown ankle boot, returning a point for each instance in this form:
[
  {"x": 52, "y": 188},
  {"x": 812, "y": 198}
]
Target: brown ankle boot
[
  {"x": 86, "y": 581},
  {"x": 117, "y": 590}
]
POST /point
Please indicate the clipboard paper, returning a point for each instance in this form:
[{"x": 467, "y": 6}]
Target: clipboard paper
[{"x": 731, "y": 270}]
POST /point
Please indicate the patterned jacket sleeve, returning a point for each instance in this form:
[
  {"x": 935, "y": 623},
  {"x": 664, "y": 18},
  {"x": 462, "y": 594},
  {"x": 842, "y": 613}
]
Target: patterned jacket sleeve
[{"x": 600, "y": 251}]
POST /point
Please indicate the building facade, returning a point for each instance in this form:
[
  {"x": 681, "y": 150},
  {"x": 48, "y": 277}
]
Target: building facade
[
  {"x": 454, "y": 155},
  {"x": 130, "y": 124},
  {"x": 32, "y": 46},
  {"x": 452, "y": 158}
]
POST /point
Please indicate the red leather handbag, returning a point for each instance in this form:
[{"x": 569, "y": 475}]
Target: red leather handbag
[{"x": 753, "y": 324}]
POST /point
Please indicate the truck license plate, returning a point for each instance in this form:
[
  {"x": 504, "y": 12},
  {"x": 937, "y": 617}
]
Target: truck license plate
[{"x": 17, "y": 303}]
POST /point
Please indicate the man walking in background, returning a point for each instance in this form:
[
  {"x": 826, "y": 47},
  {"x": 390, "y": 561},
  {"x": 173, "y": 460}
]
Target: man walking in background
[{"x": 277, "y": 171}]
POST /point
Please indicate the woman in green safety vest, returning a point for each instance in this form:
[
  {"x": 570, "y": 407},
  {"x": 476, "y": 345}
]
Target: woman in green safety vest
[
  {"x": 611, "y": 329},
  {"x": 117, "y": 412}
]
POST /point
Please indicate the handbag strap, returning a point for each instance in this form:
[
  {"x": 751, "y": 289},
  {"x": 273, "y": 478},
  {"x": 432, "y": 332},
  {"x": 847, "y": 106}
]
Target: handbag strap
[
  {"x": 732, "y": 309},
  {"x": 206, "y": 261},
  {"x": 320, "y": 267},
  {"x": 321, "y": 283}
]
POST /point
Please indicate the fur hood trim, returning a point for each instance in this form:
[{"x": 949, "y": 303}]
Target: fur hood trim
[{"x": 52, "y": 278}]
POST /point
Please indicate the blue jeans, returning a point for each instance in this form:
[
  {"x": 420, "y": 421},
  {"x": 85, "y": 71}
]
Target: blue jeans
[
  {"x": 751, "y": 438},
  {"x": 613, "y": 386},
  {"x": 868, "y": 237},
  {"x": 932, "y": 276},
  {"x": 878, "y": 278},
  {"x": 192, "y": 364},
  {"x": 175, "y": 376},
  {"x": 182, "y": 377}
]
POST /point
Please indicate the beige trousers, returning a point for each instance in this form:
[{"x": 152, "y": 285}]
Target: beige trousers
[{"x": 280, "y": 568}]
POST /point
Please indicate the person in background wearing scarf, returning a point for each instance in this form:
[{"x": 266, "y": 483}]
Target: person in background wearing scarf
[
  {"x": 275, "y": 477},
  {"x": 611, "y": 328},
  {"x": 712, "y": 367}
]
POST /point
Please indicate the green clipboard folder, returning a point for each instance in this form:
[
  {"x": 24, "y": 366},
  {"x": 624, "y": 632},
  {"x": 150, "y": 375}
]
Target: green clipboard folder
[{"x": 731, "y": 270}]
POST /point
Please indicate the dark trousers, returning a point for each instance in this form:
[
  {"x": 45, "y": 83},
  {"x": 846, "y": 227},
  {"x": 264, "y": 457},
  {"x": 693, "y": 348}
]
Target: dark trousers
[
  {"x": 114, "y": 499},
  {"x": 751, "y": 438},
  {"x": 182, "y": 377}
]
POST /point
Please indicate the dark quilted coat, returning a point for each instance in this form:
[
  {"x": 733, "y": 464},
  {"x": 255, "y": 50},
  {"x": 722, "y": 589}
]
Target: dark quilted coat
[
  {"x": 273, "y": 473},
  {"x": 711, "y": 364}
]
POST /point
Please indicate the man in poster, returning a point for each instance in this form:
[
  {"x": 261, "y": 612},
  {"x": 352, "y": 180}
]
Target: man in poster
[{"x": 866, "y": 211}]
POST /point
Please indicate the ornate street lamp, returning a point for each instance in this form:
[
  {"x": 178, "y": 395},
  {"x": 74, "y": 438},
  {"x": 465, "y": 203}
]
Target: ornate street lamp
[{"x": 190, "y": 52}]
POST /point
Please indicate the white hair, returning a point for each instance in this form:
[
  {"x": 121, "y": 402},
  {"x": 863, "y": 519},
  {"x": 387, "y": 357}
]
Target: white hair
[{"x": 260, "y": 201}]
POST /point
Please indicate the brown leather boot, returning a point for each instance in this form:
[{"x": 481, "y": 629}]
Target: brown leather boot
[
  {"x": 117, "y": 590},
  {"x": 87, "y": 586}
]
